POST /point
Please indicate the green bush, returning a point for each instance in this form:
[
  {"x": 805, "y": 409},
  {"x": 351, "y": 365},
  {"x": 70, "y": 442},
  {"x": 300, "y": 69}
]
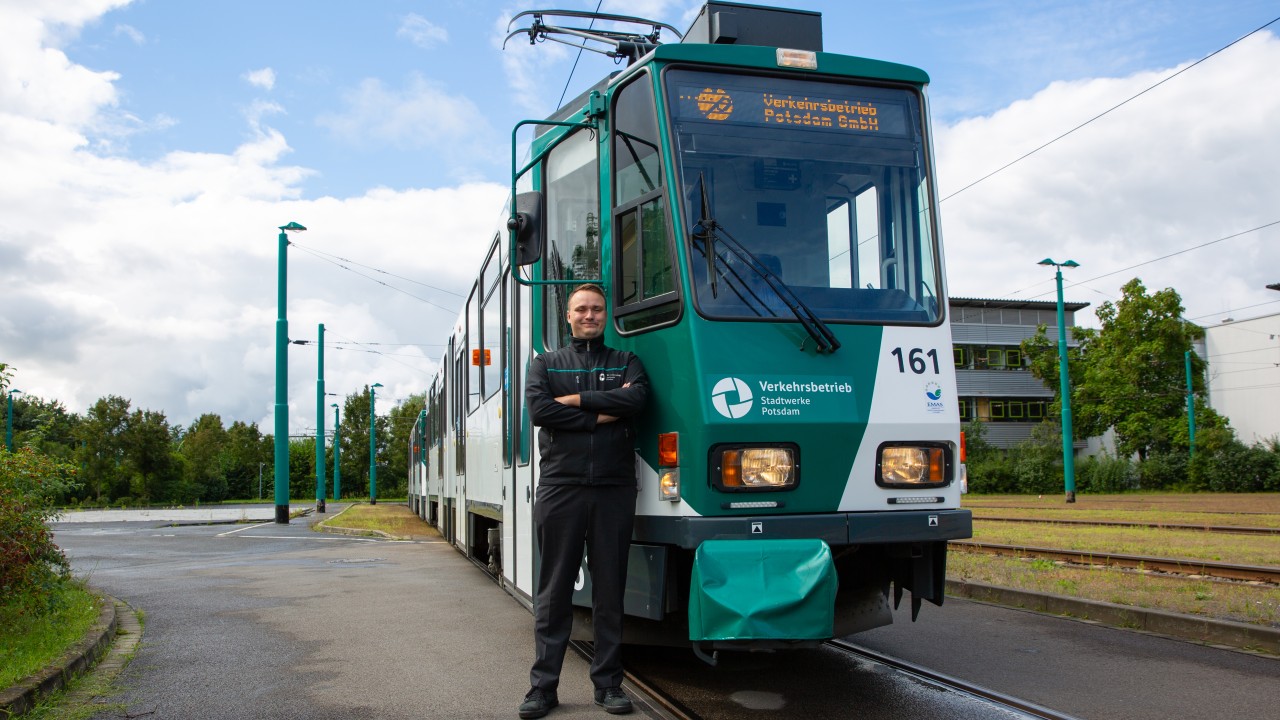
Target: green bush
[
  {"x": 1105, "y": 474},
  {"x": 1237, "y": 468},
  {"x": 31, "y": 565}
]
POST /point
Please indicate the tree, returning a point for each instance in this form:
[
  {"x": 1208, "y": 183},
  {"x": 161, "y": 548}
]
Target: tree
[
  {"x": 101, "y": 453},
  {"x": 1130, "y": 374},
  {"x": 44, "y": 425},
  {"x": 402, "y": 419},
  {"x": 203, "y": 446},
  {"x": 302, "y": 468},
  {"x": 247, "y": 457},
  {"x": 355, "y": 444},
  {"x": 149, "y": 453}
]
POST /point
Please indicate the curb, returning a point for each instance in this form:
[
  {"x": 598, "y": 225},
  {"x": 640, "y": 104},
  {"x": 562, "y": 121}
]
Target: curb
[
  {"x": 1255, "y": 639},
  {"x": 21, "y": 698}
]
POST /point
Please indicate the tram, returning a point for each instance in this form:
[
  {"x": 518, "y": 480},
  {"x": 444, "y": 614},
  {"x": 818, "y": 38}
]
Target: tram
[{"x": 763, "y": 216}]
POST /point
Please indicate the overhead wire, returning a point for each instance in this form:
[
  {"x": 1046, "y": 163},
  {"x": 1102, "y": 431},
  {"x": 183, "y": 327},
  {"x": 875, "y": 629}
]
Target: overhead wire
[
  {"x": 380, "y": 282},
  {"x": 1091, "y": 120},
  {"x": 574, "y": 69},
  {"x": 1026, "y": 155},
  {"x": 375, "y": 269}
]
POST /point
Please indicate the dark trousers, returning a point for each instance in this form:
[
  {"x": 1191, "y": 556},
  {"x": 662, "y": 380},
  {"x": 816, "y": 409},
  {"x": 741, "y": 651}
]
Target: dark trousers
[{"x": 566, "y": 517}]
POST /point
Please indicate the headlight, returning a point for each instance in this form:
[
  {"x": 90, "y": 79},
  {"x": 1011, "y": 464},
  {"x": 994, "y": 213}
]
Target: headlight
[
  {"x": 744, "y": 468},
  {"x": 912, "y": 465}
]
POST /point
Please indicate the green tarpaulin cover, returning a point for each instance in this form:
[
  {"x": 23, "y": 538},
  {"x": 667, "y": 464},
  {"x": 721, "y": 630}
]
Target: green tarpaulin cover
[{"x": 762, "y": 590}]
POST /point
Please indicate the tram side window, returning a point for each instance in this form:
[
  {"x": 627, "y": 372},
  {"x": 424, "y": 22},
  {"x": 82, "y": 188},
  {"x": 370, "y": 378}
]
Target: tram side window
[
  {"x": 646, "y": 284},
  {"x": 491, "y": 355},
  {"x": 573, "y": 227},
  {"x": 473, "y": 349}
]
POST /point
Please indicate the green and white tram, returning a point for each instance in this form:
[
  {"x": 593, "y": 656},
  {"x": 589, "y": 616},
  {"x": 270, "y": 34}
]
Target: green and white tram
[{"x": 764, "y": 218}]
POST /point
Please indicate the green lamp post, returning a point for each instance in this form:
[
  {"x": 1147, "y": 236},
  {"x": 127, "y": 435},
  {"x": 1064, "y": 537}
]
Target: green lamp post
[
  {"x": 1068, "y": 451},
  {"x": 8, "y": 423},
  {"x": 282, "y": 381},
  {"x": 373, "y": 447}
]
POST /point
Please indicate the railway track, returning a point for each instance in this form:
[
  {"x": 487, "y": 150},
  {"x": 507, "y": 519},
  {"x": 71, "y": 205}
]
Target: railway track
[
  {"x": 654, "y": 701},
  {"x": 1173, "y": 566},
  {"x": 1226, "y": 529}
]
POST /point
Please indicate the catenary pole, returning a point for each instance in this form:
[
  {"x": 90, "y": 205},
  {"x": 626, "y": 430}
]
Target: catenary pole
[
  {"x": 337, "y": 456},
  {"x": 320, "y": 423},
  {"x": 1068, "y": 449},
  {"x": 282, "y": 381},
  {"x": 373, "y": 447}
]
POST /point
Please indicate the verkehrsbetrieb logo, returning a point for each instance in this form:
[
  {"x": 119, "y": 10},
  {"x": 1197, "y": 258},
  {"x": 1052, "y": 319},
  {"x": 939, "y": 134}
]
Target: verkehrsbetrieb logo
[{"x": 731, "y": 398}]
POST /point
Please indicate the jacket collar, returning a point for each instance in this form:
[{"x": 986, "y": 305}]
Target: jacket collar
[{"x": 587, "y": 346}]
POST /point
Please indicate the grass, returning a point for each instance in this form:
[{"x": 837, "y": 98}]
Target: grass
[
  {"x": 1154, "y": 542},
  {"x": 86, "y": 696},
  {"x": 1243, "y": 602},
  {"x": 1253, "y": 510},
  {"x": 32, "y": 641},
  {"x": 396, "y": 520}
]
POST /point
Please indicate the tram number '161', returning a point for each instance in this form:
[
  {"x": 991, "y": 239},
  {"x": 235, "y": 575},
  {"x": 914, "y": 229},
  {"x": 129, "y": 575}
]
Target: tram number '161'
[{"x": 915, "y": 358}]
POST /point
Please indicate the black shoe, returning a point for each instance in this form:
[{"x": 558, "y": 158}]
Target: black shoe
[
  {"x": 613, "y": 700},
  {"x": 538, "y": 702}
]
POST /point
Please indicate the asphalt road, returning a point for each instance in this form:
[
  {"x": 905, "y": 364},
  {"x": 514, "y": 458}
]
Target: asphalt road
[
  {"x": 1084, "y": 669},
  {"x": 271, "y": 621}
]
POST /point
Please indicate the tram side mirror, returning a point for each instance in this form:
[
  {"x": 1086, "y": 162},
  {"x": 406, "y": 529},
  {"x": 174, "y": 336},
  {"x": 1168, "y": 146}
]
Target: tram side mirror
[{"x": 526, "y": 223}]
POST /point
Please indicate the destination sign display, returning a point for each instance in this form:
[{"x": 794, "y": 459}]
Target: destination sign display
[{"x": 835, "y": 109}]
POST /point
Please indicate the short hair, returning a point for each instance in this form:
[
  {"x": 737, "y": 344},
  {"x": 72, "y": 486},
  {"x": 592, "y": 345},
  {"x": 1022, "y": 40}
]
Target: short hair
[{"x": 588, "y": 287}]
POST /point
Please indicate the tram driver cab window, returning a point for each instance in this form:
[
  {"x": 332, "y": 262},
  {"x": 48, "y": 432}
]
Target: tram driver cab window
[
  {"x": 644, "y": 279},
  {"x": 573, "y": 227}
]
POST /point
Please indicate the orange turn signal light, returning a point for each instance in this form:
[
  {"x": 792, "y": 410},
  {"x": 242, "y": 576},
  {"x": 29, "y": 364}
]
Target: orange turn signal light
[{"x": 668, "y": 449}]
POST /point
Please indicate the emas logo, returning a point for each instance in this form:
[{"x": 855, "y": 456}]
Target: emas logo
[
  {"x": 731, "y": 398},
  {"x": 933, "y": 395},
  {"x": 715, "y": 104}
]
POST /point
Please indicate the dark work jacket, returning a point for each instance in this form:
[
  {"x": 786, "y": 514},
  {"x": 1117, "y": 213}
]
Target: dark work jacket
[{"x": 575, "y": 449}]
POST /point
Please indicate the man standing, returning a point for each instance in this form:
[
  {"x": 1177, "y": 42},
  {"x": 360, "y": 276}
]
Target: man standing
[{"x": 583, "y": 397}]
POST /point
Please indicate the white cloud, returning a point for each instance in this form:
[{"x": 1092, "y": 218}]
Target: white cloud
[
  {"x": 156, "y": 280},
  {"x": 37, "y": 80},
  {"x": 421, "y": 31},
  {"x": 132, "y": 33},
  {"x": 264, "y": 78},
  {"x": 1187, "y": 163},
  {"x": 419, "y": 115}
]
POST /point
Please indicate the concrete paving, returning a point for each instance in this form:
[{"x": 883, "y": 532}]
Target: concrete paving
[{"x": 276, "y": 621}]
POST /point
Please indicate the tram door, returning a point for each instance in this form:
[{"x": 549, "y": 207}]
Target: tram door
[
  {"x": 517, "y": 428},
  {"x": 458, "y": 421}
]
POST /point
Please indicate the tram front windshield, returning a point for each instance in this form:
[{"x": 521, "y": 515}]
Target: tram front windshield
[{"x": 820, "y": 184}]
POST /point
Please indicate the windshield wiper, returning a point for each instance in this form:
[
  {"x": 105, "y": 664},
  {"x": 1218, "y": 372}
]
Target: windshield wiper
[{"x": 711, "y": 232}]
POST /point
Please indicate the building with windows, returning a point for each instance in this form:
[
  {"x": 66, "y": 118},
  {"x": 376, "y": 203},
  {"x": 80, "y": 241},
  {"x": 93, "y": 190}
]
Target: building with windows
[
  {"x": 994, "y": 383},
  {"x": 1243, "y": 375}
]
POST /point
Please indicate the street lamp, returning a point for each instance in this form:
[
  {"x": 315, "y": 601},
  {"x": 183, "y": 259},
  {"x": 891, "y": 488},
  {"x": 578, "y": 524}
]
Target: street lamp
[
  {"x": 337, "y": 456},
  {"x": 8, "y": 424},
  {"x": 282, "y": 381},
  {"x": 373, "y": 448},
  {"x": 1068, "y": 451}
]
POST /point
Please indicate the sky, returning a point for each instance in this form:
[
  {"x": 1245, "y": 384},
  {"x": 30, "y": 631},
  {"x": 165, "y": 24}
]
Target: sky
[{"x": 149, "y": 150}]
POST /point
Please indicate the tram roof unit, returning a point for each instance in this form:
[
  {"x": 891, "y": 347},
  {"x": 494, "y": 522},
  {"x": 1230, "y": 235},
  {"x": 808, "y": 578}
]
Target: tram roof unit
[
  {"x": 729, "y": 23},
  {"x": 724, "y": 33}
]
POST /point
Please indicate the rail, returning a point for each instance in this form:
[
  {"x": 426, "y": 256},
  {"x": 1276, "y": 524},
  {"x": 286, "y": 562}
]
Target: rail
[
  {"x": 1173, "y": 566},
  {"x": 1226, "y": 529}
]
